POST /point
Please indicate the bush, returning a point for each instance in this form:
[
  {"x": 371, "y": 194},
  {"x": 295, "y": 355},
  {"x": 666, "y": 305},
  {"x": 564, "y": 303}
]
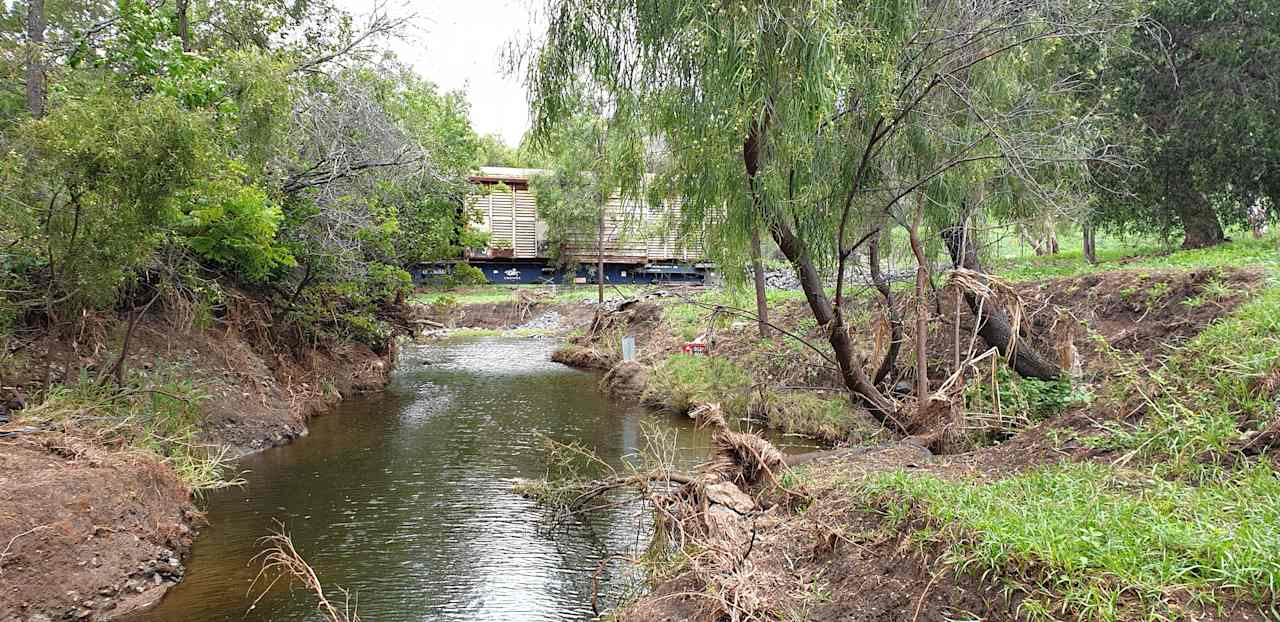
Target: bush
[
  {"x": 234, "y": 226},
  {"x": 465, "y": 274},
  {"x": 1013, "y": 402}
]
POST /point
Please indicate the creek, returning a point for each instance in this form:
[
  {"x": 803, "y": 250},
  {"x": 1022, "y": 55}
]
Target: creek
[{"x": 404, "y": 498}]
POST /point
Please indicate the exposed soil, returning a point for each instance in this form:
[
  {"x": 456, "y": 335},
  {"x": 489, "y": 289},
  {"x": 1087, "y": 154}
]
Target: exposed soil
[
  {"x": 503, "y": 315},
  {"x": 85, "y": 533},
  {"x": 90, "y": 531},
  {"x": 833, "y": 561},
  {"x": 1142, "y": 312}
]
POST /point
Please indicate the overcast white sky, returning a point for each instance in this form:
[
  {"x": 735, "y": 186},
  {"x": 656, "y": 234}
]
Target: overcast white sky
[{"x": 456, "y": 44}]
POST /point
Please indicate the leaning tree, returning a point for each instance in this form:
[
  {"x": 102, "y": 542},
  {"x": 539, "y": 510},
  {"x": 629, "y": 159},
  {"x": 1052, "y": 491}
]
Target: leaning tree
[{"x": 826, "y": 122}]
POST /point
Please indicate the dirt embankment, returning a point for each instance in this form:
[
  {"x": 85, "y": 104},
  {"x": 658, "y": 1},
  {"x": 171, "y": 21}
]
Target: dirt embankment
[
  {"x": 814, "y": 550},
  {"x": 90, "y": 530}
]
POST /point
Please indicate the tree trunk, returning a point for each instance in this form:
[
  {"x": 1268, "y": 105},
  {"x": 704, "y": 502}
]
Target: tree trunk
[
  {"x": 184, "y": 23},
  {"x": 762, "y": 300},
  {"x": 1090, "y": 243},
  {"x": 121, "y": 368},
  {"x": 35, "y": 58},
  {"x": 600, "y": 257},
  {"x": 922, "y": 310},
  {"x": 994, "y": 327},
  {"x": 751, "y": 159},
  {"x": 895, "y": 321},
  {"x": 851, "y": 374},
  {"x": 1200, "y": 224}
]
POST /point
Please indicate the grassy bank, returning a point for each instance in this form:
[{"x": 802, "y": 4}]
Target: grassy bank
[
  {"x": 1181, "y": 510},
  {"x": 1145, "y": 488}
]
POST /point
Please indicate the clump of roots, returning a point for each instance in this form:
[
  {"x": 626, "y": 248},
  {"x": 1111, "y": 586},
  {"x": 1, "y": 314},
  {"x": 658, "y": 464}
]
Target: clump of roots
[{"x": 705, "y": 518}]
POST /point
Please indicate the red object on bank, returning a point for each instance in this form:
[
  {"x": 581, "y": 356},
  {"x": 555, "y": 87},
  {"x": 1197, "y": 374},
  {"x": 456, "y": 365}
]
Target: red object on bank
[{"x": 697, "y": 346}]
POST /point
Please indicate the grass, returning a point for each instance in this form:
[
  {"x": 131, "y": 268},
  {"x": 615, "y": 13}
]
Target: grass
[
  {"x": 829, "y": 419},
  {"x": 1099, "y": 543},
  {"x": 1243, "y": 251},
  {"x": 682, "y": 381},
  {"x": 1181, "y": 518},
  {"x": 157, "y": 415},
  {"x": 1206, "y": 395}
]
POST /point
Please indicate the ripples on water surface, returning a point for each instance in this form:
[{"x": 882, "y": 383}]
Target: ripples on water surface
[{"x": 404, "y": 497}]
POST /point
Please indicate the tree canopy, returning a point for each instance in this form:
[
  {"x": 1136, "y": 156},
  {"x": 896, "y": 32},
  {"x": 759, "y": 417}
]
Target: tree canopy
[
  {"x": 275, "y": 144},
  {"x": 1196, "y": 103},
  {"x": 825, "y": 121}
]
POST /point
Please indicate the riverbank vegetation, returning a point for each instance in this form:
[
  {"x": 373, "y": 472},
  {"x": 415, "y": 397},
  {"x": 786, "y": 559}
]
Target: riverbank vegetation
[
  {"x": 206, "y": 212},
  {"x": 208, "y": 209}
]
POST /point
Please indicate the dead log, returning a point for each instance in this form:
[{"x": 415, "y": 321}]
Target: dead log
[{"x": 993, "y": 325}]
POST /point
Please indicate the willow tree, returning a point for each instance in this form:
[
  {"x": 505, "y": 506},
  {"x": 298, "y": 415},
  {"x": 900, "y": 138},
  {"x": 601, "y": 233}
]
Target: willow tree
[{"x": 822, "y": 121}]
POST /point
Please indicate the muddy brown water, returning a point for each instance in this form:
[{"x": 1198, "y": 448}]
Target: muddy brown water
[{"x": 404, "y": 497}]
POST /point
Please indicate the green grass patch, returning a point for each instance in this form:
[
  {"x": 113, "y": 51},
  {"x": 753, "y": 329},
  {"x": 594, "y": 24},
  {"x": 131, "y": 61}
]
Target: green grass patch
[
  {"x": 1087, "y": 541},
  {"x": 826, "y": 418},
  {"x": 159, "y": 415},
  {"x": 682, "y": 381},
  {"x": 1239, "y": 253},
  {"x": 1206, "y": 395}
]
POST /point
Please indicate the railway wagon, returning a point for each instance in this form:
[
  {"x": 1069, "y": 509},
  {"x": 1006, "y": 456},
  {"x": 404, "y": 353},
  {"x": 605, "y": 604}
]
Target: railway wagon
[{"x": 640, "y": 245}]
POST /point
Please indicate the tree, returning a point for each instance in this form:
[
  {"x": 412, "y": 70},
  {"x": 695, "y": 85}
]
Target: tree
[
  {"x": 1198, "y": 100},
  {"x": 495, "y": 152},
  {"x": 590, "y": 163},
  {"x": 821, "y": 120}
]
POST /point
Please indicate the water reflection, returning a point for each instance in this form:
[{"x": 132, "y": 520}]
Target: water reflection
[{"x": 404, "y": 497}]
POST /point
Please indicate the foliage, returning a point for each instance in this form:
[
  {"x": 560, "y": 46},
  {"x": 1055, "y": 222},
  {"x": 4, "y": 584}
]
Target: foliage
[
  {"x": 234, "y": 226},
  {"x": 99, "y": 189},
  {"x": 591, "y": 165},
  {"x": 1198, "y": 117},
  {"x": 1006, "y": 403},
  {"x": 465, "y": 274}
]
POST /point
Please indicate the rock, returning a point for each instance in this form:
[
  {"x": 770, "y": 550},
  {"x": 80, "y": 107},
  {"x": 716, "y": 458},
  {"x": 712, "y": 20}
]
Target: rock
[
  {"x": 730, "y": 496},
  {"x": 550, "y": 320}
]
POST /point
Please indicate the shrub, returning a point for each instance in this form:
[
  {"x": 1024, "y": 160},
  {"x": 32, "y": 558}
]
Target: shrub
[
  {"x": 1012, "y": 402},
  {"x": 465, "y": 274}
]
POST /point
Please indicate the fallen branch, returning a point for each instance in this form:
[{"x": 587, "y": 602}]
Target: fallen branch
[{"x": 280, "y": 556}]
